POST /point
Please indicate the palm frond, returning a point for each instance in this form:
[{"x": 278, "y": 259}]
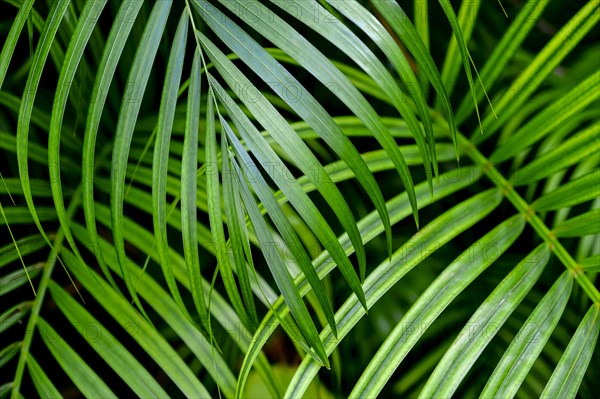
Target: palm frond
[{"x": 182, "y": 179}]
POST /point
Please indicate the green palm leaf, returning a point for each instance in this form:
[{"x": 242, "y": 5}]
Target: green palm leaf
[{"x": 205, "y": 172}]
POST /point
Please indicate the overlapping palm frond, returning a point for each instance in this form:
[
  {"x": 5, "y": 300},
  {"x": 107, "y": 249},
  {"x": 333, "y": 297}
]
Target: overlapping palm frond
[{"x": 181, "y": 179}]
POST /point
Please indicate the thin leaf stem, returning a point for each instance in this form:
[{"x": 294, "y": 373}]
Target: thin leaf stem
[
  {"x": 41, "y": 294},
  {"x": 532, "y": 218},
  {"x": 45, "y": 280}
]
